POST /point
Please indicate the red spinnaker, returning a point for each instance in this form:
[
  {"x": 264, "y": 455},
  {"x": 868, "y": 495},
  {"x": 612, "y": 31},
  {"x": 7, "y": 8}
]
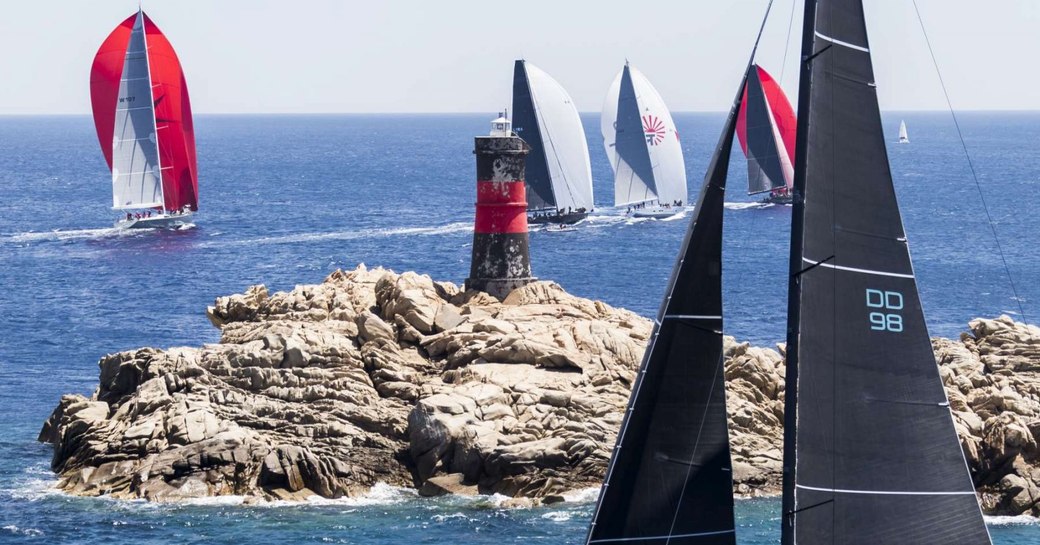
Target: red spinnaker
[
  {"x": 174, "y": 128},
  {"x": 783, "y": 113}
]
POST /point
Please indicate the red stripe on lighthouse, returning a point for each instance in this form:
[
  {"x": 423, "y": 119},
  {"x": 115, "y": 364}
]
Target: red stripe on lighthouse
[{"x": 501, "y": 207}]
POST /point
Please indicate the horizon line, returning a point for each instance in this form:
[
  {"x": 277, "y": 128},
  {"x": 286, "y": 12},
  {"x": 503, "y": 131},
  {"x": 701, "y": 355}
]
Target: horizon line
[{"x": 492, "y": 113}]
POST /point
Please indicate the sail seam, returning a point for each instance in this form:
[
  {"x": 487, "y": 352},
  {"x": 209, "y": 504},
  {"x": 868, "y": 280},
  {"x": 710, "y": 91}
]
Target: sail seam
[
  {"x": 846, "y": 44},
  {"x": 854, "y": 269},
  {"x": 691, "y": 317},
  {"x": 650, "y": 538},
  {"x": 884, "y": 492}
]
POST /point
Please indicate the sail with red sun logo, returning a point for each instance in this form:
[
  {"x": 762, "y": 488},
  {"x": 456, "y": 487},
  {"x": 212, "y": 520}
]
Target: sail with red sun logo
[
  {"x": 642, "y": 143},
  {"x": 766, "y": 128},
  {"x": 143, "y": 119}
]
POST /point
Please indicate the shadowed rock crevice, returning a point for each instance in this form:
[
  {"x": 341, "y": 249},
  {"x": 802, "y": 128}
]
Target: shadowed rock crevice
[{"x": 373, "y": 376}]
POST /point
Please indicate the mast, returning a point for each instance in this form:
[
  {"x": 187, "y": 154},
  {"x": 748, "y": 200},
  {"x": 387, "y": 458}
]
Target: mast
[
  {"x": 794, "y": 282},
  {"x": 871, "y": 455},
  {"x": 151, "y": 104}
]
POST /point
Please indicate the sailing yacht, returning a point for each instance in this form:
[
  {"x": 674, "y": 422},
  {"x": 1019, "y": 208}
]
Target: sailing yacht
[
  {"x": 903, "y": 137},
  {"x": 670, "y": 478},
  {"x": 143, "y": 119},
  {"x": 766, "y": 129},
  {"x": 871, "y": 456},
  {"x": 559, "y": 173},
  {"x": 643, "y": 146}
]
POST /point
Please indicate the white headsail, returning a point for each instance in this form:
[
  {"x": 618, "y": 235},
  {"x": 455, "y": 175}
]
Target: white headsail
[
  {"x": 642, "y": 142},
  {"x": 903, "y": 138},
  {"x": 563, "y": 140},
  {"x": 136, "y": 179}
]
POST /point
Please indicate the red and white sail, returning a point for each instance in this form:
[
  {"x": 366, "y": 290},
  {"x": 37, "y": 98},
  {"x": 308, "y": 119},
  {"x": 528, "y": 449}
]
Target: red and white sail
[
  {"x": 766, "y": 128},
  {"x": 143, "y": 118}
]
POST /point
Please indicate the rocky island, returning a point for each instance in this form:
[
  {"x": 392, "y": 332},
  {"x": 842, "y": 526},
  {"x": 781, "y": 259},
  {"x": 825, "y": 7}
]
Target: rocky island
[{"x": 377, "y": 377}]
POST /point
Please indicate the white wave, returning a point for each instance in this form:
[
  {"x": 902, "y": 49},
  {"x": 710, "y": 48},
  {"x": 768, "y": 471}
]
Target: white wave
[
  {"x": 748, "y": 205},
  {"x": 604, "y": 220},
  {"x": 585, "y": 495},
  {"x": 380, "y": 494},
  {"x": 1019, "y": 520},
  {"x": 679, "y": 216},
  {"x": 33, "y": 489},
  {"x": 22, "y": 531},
  {"x": 350, "y": 235},
  {"x": 57, "y": 234},
  {"x": 557, "y": 516},
  {"x": 442, "y": 518}
]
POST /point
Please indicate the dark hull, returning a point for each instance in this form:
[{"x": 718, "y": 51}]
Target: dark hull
[
  {"x": 566, "y": 219},
  {"x": 778, "y": 199}
]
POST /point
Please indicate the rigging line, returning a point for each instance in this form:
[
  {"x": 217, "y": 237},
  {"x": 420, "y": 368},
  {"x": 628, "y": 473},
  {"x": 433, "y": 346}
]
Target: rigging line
[
  {"x": 735, "y": 111},
  {"x": 787, "y": 42},
  {"x": 971, "y": 165}
]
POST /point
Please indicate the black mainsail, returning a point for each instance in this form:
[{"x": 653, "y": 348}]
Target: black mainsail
[
  {"x": 525, "y": 123},
  {"x": 870, "y": 452},
  {"x": 765, "y": 170},
  {"x": 670, "y": 479}
]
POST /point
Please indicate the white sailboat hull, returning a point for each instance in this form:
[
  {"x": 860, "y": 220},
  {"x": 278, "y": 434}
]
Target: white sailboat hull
[
  {"x": 158, "y": 221},
  {"x": 657, "y": 213}
]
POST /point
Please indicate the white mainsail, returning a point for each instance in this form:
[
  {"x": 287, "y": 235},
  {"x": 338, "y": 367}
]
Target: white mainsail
[
  {"x": 642, "y": 143},
  {"x": 563, "y": 139},
  {"x": 903, "y": 138},
  {"x": 136, "y": 178}
]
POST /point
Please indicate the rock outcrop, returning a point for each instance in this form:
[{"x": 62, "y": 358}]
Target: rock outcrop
[
  {"x": 992, "y": 378},
  {"x": 374, "y": 376}
]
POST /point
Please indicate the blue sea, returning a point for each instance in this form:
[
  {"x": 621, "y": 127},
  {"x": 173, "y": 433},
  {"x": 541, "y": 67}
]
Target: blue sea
[{"x": 287, "y": 199}]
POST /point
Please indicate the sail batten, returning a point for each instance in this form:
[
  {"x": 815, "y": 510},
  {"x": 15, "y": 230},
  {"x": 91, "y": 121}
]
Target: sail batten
[{"x": 871, "y": 455}]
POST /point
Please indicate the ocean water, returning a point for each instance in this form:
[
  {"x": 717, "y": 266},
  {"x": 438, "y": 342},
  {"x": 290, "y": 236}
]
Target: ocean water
[{"x": 287, "y": 199}]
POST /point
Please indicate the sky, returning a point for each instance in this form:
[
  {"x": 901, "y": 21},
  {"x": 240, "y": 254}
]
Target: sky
[{"x": 348, "y": 56}]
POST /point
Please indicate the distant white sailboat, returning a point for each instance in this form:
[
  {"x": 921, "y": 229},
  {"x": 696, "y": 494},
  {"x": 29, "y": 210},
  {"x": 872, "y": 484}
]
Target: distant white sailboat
[
  {"x": 559, "y": 173},
  {"x": 903, "y": 138},
  {"x": 643, "y": 146}
]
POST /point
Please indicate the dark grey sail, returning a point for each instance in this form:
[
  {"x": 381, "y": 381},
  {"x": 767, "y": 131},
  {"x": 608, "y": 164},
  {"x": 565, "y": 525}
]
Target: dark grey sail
[
  {"x": 765, "y": 173},
  {"x": 670, "y": 479},
  {"x": 525, "y": 125},
  {"x": 871, "y": 456},
  {"x": 634, "y": 172}
]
